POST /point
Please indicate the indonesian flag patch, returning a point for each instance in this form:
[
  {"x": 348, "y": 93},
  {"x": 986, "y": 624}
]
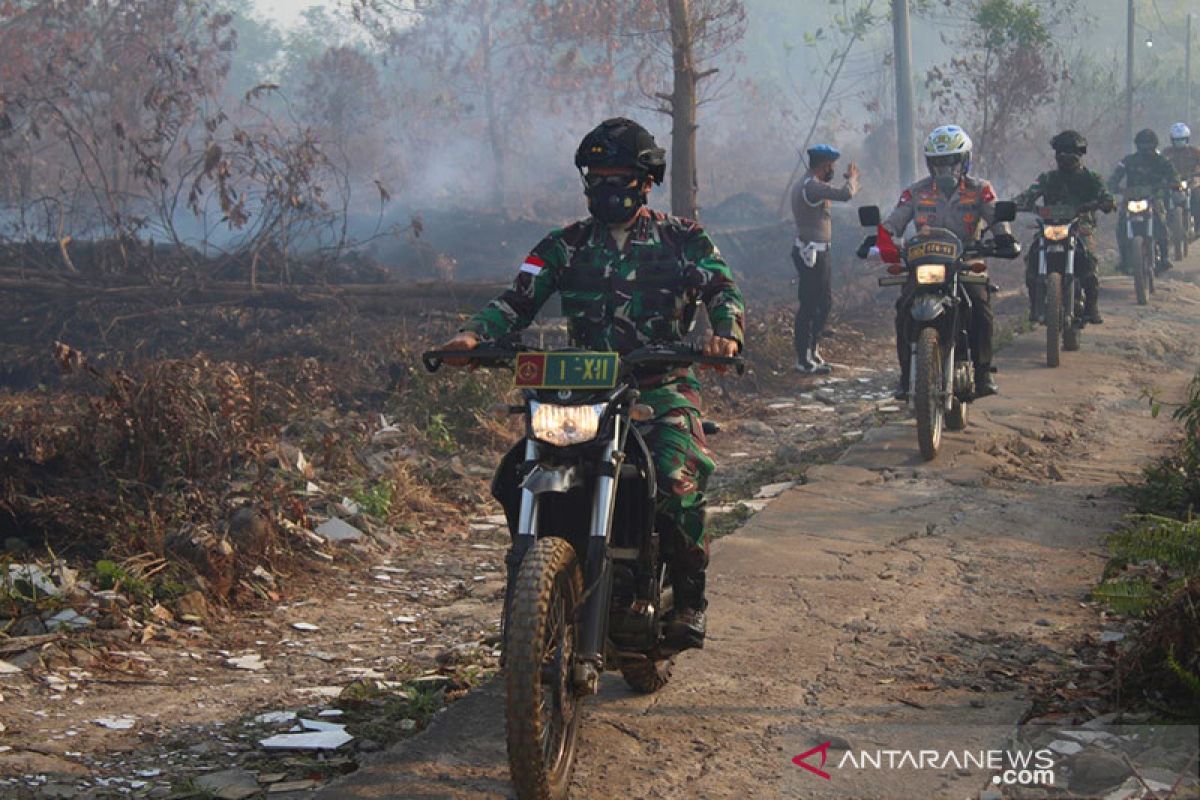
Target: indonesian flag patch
[{"x": 533, "y": 265}]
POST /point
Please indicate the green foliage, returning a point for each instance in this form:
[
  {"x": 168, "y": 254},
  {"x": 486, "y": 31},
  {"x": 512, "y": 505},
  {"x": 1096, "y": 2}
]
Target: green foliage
[
  {"x": 376, "y": 711},
  {"x": 111, "y": 575},
  {"x": 376, "y": 500},
  {"x": 1170, "y": 545},
  {"x": 439, "y": 433},
  {"x": 1169, "y": 542},
  {"x": 1132, "y": 596},
  {"x": 1171, "y": 485},
  {"x": 1005, "y": 22},
  {"x": 1188, "y": 678}
]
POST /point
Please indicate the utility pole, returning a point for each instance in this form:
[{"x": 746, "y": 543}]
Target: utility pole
[
  {"x": 902, "y": 55},
  {"x": 1187, "y": 74},
  {"x": 1129, "y": 79}
]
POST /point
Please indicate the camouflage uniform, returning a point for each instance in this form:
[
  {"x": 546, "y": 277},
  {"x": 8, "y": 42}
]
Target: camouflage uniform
[
  {"x": 1152, "y": 171},
  {"x": 619, "y": 300},
  {"x": 1059, "y": 187}
]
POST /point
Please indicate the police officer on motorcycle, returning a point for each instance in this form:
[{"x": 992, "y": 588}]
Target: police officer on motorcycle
[
  {"x": 1074, "y": 185},
  {"x": 953, "y": 199},
  {"x": 1185, "y": 157},
  {"x": 1146, "y": 167}
]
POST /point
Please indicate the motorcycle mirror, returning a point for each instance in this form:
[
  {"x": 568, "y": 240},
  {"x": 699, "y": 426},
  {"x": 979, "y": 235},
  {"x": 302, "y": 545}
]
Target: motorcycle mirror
[
  {"x": 868, "y": 216},
  {"x": 1006, "y": 211}
]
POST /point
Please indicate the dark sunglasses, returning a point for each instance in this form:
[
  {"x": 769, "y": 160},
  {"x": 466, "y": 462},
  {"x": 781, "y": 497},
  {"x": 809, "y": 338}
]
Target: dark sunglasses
[
  {"x": 945, "y": 161},
  {"x": 621, "y": 181}
]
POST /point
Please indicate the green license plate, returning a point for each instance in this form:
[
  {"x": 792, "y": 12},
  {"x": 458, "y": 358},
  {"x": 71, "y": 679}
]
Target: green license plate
[{"x": 567, "y": 370}]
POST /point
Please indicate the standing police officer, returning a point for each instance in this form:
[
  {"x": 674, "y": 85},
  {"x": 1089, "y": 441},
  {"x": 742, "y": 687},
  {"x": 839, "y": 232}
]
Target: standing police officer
[{"x": 811, "y": 198}]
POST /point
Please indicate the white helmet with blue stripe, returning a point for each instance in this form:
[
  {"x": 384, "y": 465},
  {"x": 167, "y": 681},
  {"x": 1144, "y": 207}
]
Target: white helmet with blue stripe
[{"x": 947, "y": 148}]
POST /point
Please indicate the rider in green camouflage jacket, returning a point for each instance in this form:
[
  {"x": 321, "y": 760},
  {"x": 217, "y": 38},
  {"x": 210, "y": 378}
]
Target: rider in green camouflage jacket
[
  {"x": 1071, "y": 184},
  {"x": 630, "y": 276},
  {"x": 1146, "y": 169}
]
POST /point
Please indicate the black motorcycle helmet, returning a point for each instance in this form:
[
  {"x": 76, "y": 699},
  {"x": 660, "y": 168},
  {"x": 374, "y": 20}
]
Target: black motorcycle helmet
[
  {"x": 1146, "y": 140},
  {"x": 621, "y": 142},
  {"x": 1069, "y": 142},
  {"x": 1069, "y": 147}
]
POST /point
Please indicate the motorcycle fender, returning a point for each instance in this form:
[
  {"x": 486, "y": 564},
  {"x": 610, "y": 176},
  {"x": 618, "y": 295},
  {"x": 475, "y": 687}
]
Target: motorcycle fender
[
  {"x": 542, "y": 479},
  {"x": 928, "y": 308}
]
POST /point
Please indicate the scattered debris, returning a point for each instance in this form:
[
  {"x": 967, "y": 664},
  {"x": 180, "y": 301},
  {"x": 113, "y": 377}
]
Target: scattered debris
[
  {"x": 229, "y": 784},
  {"x": 307, "y": 627},
  {"x": 773, "y": 490},
  {"x": 116, "y": 723},
  {"x": 69, "y": 619},
  {"x": 315, "y": 736},
  {"x": 250, "y": 661},
  {"x": 338, "y": 530}
]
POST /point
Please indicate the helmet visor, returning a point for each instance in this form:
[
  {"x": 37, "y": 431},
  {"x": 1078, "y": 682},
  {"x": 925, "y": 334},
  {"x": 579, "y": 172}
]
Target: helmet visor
[{"x": 944, "y": 166}]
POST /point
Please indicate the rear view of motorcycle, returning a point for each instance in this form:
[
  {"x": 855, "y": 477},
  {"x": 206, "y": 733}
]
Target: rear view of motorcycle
[{"x": 588, "y": 588}]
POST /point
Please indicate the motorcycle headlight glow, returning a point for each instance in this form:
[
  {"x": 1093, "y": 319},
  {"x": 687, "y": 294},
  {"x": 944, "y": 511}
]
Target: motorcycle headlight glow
[
  {"x": 565, "y": 425},
  {"x": 1137, "y": 206},
  {"x": 1056, "y": 233},
  {"x": 931, "y": 273}
]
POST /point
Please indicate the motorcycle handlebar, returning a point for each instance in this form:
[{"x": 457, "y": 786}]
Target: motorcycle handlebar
[{"x": 665, "y": 355}]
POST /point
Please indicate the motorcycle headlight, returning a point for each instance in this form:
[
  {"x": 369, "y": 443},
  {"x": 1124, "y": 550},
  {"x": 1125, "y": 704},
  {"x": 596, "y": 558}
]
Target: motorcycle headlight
[
  {"x": 931, "y": 273},
  {"x": 565, "y": 425},
  {"x": 1137, "y": 206},
  {"x": 1056, "y": 233},
  {"x": 1183, "y": 186}
]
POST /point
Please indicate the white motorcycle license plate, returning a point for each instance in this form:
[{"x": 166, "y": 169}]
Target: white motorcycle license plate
[{"x": 1056, "y": 248}]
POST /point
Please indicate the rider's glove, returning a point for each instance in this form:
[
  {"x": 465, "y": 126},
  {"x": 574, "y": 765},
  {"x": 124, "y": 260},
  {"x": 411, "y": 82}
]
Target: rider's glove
[{"x": 1006, "y": 244}]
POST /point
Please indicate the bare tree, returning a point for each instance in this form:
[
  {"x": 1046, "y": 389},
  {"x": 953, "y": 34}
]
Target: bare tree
[{"x": 851, "y": 25}]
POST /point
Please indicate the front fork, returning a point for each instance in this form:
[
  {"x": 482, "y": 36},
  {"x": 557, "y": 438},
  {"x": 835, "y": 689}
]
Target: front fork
[
  {"x": 1068, "y": 278},
  {"x": 597, "y": 579},
  {"x": 947, "y": 389}
]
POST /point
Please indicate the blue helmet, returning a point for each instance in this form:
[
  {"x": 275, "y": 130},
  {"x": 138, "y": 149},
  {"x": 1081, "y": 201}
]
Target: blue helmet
[{"x": 820, "y": 153}]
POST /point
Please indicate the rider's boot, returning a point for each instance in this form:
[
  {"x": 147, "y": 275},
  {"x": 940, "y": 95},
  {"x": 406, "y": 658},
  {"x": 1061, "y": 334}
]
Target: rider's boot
[
  {"x": 1091, "y": 311},
  {"x": 686, "y": 630},
  {"x": 901, "y": 390},
  {"x": 985, "y": 384}
]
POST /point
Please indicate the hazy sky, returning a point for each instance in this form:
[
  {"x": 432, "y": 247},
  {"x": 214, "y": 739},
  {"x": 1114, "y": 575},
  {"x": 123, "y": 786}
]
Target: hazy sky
[{"x": 286, "y": 12}]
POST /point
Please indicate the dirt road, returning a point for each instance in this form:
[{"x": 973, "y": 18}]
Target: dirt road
[{"x": 884, "y": 591}]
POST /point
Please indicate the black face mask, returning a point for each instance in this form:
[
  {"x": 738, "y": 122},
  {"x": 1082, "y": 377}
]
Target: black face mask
[
  {"x": 946, "y": 184},
  {"x": 614, "y": 202},
  {"x": 1068, "y": 162}
]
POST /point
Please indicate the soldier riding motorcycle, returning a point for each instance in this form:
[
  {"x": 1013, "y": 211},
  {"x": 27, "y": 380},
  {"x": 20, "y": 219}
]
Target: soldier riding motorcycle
[
  {"x": 1061, "y": 265},
  {"x": 605, "y": 496},
  {"x": 1148, "y": 178}
]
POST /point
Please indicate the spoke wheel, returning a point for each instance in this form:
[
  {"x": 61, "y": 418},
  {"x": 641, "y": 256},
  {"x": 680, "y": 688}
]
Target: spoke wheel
[
  {"x": 927, "y": 394},
  {"x": 543, "y": 710}
]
